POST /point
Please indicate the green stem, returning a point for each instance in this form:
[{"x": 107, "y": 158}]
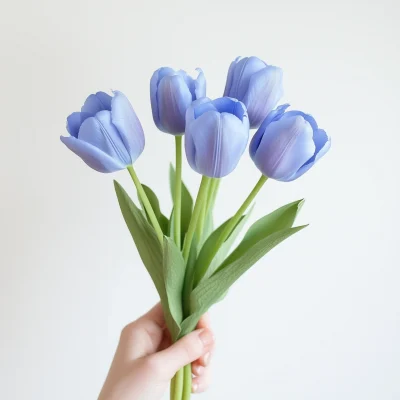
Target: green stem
[
  {"x": 212, "y": 193},
  {"x": 177, "y": 385},
  {"x": 199, "y": 274},
  {"x": 146, "y": 203},
  {"x": 187, "y": 382},
  {"x": 201, "y": 198},
  {"x": 178, "y": 191},
  {"x": 200, "y": 222}
]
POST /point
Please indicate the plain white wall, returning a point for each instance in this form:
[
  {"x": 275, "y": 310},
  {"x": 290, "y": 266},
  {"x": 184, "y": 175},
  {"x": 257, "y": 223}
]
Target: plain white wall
[{"x": 319, "y": 317}]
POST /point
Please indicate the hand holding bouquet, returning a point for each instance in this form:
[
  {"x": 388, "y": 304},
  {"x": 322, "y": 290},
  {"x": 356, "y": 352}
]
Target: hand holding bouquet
[{"x": 191, "y": 263}]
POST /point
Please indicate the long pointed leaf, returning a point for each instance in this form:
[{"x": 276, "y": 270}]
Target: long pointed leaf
[
  {"x": 149, "y": 249},
  {"x": 155, "y": 204},
  {"x": 210, "y": 291},
  {"x": 187, "y": 202},
  {"x": 174, "y": 275},
  {"x": 280, "y": 219},
  {"x": 210, "y": 246}
]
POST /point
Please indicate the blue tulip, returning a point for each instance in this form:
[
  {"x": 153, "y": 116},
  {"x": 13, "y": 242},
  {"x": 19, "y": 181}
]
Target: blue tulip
[
  {"x": 257, "y": 85},
  {"x": 217, "y": 132},
  {"x": 288, "y": 144},
  {"x": 171, "y": 94},
  {"x": 106, "y": 134}
]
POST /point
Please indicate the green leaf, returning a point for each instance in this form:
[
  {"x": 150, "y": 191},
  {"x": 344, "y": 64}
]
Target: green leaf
[
  {"x": 278, "y": 220},
  {"x": 208, "y": 226},
  {"x": 155, "y": 204},
  {"x": 149, "y": 249},
  {"x": 189, "y": 274},
  {"x": 209, "y": 218},
  {"x": 212, "y": 289},
  {"x": 187, "y": 202},
  {"x": 171, "y": 225},
  {"x": 209, "y": 247},
  {"x": 174, "y": 275}
]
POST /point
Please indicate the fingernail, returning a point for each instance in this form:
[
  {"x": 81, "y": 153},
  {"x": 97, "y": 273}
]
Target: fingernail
[
  {"x": 206, "y": 337},
  {"x": 206, "y": 358},
  {"x": 195, "y": 386}
]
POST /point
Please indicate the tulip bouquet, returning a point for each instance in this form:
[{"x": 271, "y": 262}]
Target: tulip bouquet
[{"x": 192, "y": 264}]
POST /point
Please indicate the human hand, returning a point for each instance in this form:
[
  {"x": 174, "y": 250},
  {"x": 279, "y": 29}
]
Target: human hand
[{"x": 145, "y": 361}]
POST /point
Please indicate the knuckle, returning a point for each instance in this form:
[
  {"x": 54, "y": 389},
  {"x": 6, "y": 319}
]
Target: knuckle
[{"x": 128, "y": 331}]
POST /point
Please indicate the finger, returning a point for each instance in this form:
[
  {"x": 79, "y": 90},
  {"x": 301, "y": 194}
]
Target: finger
[
  {"x": 204, "y": 360},
  {"x": 204, "y": 322},
  {"x": 201, "y": 383},
  {"x": 183, "y": 352},
  {"x": 156, "y": 315},
  {"x": 197, "y": 369},
  {"x": 144, "y": 336}
]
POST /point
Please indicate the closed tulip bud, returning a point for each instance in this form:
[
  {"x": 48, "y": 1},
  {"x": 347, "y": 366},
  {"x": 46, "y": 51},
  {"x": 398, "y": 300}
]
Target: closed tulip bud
[
  {"x": 288, "y": 144},
  {"x": 171, "y": 93},
  {"x": 217, "y": 132},
  {"x": 106, "y": 134},
  {"x": 257, "y": 85}
]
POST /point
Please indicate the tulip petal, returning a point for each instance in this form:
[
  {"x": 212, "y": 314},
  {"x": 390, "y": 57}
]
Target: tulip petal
[
  {"x": 200, "y": 85},
  {"x": 285, "y": 146},
  {"x": 274, "y": 115},
  {"x": 202, "y": 108},
  {"x": 244, "y": 70},
  {"x": 264, "y": 92},
  {"x": 323, "y": 141},
  {"x": 154, "y": 81},
  {"x": 214, "y": 143},
  {"x": 309, "y": 118},
  {"x": 229, "y": 79},
  {"x": 189, "y": 82},
  {"x": 231, "y": 106},
  {"x": 126, "y": 121},
  {"x": 174, "y": 98},
  {"x": 97, "y": 102},
  {"x": 95, "y": 158},
  {"x": 101, "y": 133},
  {"x": 322, "y": 144},
  {"x": 74, "y": 122},
  {"x": 194, "y": 107}
]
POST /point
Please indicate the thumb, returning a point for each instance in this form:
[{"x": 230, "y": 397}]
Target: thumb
[{"x": 184, "y": 351}]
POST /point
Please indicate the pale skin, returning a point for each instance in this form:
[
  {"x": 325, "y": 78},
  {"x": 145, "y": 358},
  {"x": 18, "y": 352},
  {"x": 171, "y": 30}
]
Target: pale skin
[{"x": 145, "y": 360}]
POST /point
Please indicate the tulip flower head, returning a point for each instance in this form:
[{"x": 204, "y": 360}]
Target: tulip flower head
[
  {"x": 257, "y": 85},
  {"x": 288, "y": 144},
  {"x": 217, "y": 132},
  {"x": 171, "y": 94},
  {"x": 106, "y": 133}
]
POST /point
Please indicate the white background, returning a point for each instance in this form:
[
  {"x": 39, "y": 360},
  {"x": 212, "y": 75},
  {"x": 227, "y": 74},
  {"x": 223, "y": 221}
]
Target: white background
[{"x": 319, "y": 317}]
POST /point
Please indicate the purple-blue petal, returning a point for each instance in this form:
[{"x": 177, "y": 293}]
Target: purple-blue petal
[
  {"x": 97, "y": 102},
  {"x": 201, "y": 108},
  {"x": 100, "y": 132},
  {"x": 274, "y": 115},
  {"x": 231, "y": 106},
  {"x": 74, "y": 122},
  {"x": 229, "y": 79},
  {"x": 154, "y": 81},
  {"x": 173, "y": 98},
  {"x": 215, "y": 142},
  {"x": 264, "y": 91},
  {"x": 124, "y": 118},
  {"x": 285, "y": 146},
  {"x": 244, "y": 69},
  {"x": 200, "y": 85},
  {"x": 92, "y": 156}
]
